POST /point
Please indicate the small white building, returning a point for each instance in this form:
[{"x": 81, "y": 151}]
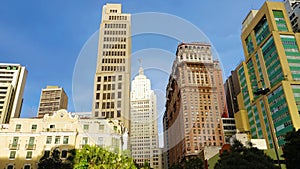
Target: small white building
[{"x": 25, "y": 140}]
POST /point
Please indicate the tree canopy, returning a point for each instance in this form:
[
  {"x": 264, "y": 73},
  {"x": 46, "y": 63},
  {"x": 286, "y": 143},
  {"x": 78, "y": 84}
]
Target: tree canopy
[
  {"x": 189, "y": 163},
  {"x": 241, "y": 157},
  {"x": 100, "y": 158},
  {"x": 291, "y": 149}
]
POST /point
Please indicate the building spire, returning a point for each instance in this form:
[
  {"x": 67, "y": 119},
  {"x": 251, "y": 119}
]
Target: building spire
[{"x": 141, "y": 70}]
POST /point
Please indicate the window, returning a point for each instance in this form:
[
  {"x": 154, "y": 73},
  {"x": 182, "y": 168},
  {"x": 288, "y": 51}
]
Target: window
[
  {"x": 18, "y": 127},
  {"x": 29, "y": 155},
  {"x": 85, "y": 127},
  {"x": 101, "y": 127},
  {"x": 100, "y": 141},
  {"x": 52, "y": 126},
  {"x": 66, "y": 140},
  {"x": 57, "y": 140},
  {"x": 10, "y": 167},
  {"x": 33, "y": 127},
  {"x": 15, "y": 142},
  {"x": 84, "y": 140},
  {"x": 49, "y": 140},
  {"x": 64, "y": 153},
  {"x": 27, "y": 166},
  {"x": 46, "y": 153},
  {"x": 12, "y": 155},
  {"x": 31, "y": 142}
]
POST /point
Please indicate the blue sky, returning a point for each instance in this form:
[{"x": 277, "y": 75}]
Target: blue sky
[{"x": 47, "y": 37}]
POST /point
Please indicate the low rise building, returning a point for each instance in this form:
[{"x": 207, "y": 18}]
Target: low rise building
[{"x": 26, "y": 140}]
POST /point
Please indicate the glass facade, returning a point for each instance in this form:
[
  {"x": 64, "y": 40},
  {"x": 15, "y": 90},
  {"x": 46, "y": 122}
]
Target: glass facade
[
  {"x": 261, "y": 30},
  {"x": 280, "y": 21},
  {"x": 280, "y": 114},
  {"x": 272, "y": 62},
  {"x": 292, "y": 53}
]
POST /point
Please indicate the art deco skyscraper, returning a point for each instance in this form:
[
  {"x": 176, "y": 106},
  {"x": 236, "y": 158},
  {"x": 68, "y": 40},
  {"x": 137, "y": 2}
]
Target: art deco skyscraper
[
  {"x": 112, "y": 78},
  {"x": 53, "y": 98},
  {"x": 144, "y": 131},
  {"x": 12, "y": 84},
  {"x": 195, "y": 103}
]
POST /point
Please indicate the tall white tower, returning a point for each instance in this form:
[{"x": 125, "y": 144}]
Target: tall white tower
[
  {"x": 144, "y": 131},
  {"x": 12, "y": 85},
  {"x": 112, "y": 78}
]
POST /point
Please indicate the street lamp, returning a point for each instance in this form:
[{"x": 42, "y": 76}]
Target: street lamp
[{"x": 264, "y": 91}]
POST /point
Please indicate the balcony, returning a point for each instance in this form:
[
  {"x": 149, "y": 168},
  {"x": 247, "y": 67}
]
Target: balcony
[
  {"x": 14, "y": 146},
  {"x": 30, "y": 146}
]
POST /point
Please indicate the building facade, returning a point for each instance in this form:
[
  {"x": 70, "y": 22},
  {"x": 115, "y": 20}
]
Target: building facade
[
  {"x": 53, "y": 98},
  {"x": 269, "y": 77},
  {"x": 112, "y": 78},
  {"x": 293, "y": 11},
  {"x": 12, "y": 84},
  {"x": 195, "y": 103},
  {"x": 144, "y": 126},
  {"x": 232, "y": 89},
  {"x": 26, "y": 140}
]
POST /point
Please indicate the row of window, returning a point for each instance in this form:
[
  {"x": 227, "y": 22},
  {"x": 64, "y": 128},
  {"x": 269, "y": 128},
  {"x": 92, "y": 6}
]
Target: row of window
[
  {"x": 57, "y": 140},
  {"x": 117, "y": 17},
  {"x": 114, "y": 39},
  {"x": 115, "y": 25},
  {"x": 113, "y": 68},
  {"x": 114, "y": 53},
  {"x": 114, "y": 32},
  {"x": 113, "y": 60},
  {"x": 114, "y": 46}
]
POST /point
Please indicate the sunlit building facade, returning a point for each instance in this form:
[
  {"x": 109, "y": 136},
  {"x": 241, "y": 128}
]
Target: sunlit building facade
[
  {"x": 144, "y": 127},
  {"x": 12, "y": 85},
  {"x": 53, "y": 98},
  {"x": 269, "y": 77},
  {"x": 195, "y": 104},
  {"x": 112, "y": 79}
]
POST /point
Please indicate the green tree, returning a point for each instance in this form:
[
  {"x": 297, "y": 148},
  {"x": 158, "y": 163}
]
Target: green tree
[
  {"x": 193, "y": 163},
  {"x": 189, "y": 163},
  {"x": 291, "y": 149},
  {"x": 99, "y": 158},
  {"x": 54, "y": 160},
  {"x": 241, "y": 157}
]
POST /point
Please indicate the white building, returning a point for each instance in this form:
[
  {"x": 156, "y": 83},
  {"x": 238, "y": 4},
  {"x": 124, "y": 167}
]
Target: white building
[
  {"x": 144, "y": 131},
  {"x": 12, "y": 84},
  {"x": 25, "y": 140},
  {"x": 112, "y": 79},
  {"x": 293, "y": 10}
]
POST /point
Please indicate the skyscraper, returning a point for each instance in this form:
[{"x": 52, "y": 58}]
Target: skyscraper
[
  {"x": 12, "y": 84},
  {"x": 293, "y": 10},
  {"x": 112, "y": 78},
  {"x": 270, "y": 76},
  {"x": 53, "y": 98},
  {"x": 144, "y": 131},
  {"x": 195, "y": 103}
]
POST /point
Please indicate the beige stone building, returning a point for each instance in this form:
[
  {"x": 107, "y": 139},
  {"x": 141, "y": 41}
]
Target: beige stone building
[
  {"x": 195, "y": 104},
  {"x": 25, "y": 140},
  {"x": 12, "y": 84},
  {"x": 53, "y": 98},
  {"x": 112, "y": 79}
]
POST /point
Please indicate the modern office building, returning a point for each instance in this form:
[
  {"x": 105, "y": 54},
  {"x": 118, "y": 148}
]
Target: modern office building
[
  {"x": 53, "y": 98},
  {"x": 269, "y": 77},
  {"x": 195, "y": 104},
  {"x": 25, "y": 140},
  {"x": 293, "y": 10},
  {"x": 232, "y": 89},
  {"x": 144, "y": 126},
  {"x": 112, "y": 78},
  {"x": 12, "y": 84}
]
